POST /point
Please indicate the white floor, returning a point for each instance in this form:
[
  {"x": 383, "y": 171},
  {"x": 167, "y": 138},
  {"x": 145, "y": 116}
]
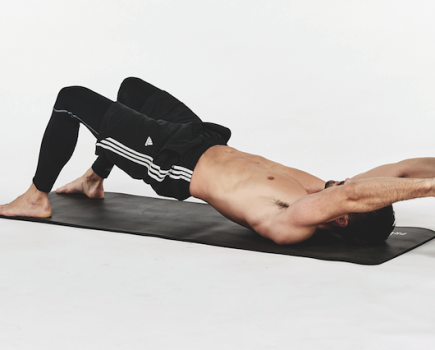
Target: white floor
[
  {"x": 66, "y": 288},
  {"x": 332, "y": 87}
]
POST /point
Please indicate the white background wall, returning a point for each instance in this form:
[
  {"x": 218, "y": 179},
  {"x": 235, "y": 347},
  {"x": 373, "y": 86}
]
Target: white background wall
[{"x": 332, "y": 87}]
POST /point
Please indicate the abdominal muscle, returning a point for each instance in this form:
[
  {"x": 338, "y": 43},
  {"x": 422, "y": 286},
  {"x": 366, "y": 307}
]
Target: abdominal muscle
[{"x": 243, "y": 187}]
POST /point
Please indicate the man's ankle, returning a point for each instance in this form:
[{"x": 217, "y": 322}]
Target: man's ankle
[
  {"x": 91, "y": 176},
  {"x": 33, "y": 190}
]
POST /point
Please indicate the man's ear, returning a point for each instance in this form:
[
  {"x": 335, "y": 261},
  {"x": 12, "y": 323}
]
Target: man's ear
[{"x": 342, "y": 221}]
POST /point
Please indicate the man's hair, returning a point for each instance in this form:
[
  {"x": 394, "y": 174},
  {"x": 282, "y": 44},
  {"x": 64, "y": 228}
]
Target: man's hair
[{"x": 370, "y": 228}]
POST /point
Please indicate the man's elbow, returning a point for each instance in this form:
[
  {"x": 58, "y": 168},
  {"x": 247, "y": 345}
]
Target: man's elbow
[
  {"x": 285, "y": 238},
  {"x": 284, "y": 233},
  {"x": 402, "y": 169}
]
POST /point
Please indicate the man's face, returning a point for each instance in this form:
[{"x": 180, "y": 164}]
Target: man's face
[{"x": 332, "y": 183}]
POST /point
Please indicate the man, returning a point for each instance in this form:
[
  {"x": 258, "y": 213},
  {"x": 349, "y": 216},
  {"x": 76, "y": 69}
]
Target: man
[{"x": 152, "y": 136}]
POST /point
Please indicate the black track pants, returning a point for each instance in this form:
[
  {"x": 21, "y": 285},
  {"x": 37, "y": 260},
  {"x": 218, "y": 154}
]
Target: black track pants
[{"x": 77, "y": 105}]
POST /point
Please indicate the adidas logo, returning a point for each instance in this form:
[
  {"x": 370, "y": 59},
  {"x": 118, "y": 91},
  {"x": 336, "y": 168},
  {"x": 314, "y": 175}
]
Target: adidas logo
[{"x": 149, "y": 142}]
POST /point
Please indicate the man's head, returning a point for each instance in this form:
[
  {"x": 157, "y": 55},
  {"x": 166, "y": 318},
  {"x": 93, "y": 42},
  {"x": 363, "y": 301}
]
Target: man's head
[{"x": 371, "y": 228}]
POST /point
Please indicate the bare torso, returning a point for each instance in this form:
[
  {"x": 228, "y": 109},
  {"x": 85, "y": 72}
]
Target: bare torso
[{"x": 249, "y": 189}]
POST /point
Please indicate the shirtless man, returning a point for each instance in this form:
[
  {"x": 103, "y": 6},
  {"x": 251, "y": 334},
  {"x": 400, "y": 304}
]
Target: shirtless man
[{"x": 168, "y": 147}]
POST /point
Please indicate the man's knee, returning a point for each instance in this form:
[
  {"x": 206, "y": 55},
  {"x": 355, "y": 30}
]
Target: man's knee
[
  {"x": 133, "y": 92},
  {"x": 127, "y": 88},
  {"x": 68, "y": 95}
]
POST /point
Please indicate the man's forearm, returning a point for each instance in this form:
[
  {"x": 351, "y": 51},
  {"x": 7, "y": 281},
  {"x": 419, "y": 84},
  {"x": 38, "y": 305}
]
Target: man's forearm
[{"x": 371, "y": 194}]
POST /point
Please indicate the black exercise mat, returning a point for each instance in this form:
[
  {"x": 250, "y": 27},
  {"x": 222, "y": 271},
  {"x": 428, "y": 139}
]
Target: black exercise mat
[{"x": 201, "y": 223}]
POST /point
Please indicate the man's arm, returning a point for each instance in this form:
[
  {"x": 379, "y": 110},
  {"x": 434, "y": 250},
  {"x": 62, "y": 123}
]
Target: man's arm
[
  {"x": 301, "y": 219},
  {"x": 408, "y": 168}
]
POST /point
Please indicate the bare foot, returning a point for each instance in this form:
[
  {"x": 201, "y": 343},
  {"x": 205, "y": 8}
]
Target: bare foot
[
  {"x": 89, "y": 184},
  {"x": 32, "y": 203}
]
